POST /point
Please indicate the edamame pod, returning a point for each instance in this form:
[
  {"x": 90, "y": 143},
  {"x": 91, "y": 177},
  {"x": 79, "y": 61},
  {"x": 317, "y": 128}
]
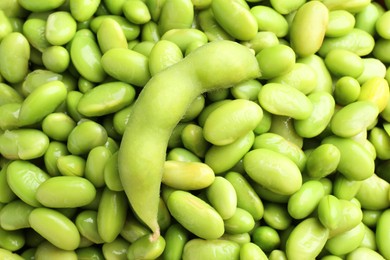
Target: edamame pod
[
  {"x": 184, "y": 206},
  {"x": 278, "y": 173},
  {"x": 227, "y": 64},
  {"x": 308, "y": 28},
  {"x": 55, "y": 228}
]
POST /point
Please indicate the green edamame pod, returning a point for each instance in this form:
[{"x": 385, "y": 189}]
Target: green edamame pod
[
  {"x": 14, "y": 57},
  {"x": 306, "y": 240},
  {"x": 111, "y": 214},
  {"x": 55, "y": 228},
  {"x": 308, "y": 28},
  {"x": 206, "y": 249},
  {"x": 235, "y": 63}
]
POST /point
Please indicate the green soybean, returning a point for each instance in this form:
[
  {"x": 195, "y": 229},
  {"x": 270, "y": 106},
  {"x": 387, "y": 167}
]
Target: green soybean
[
  {"x": 308, "y": 28},
  {"x": 381, "y": 234},
  {"x": 353, "y": 118},
  {"x": 285, "y": 100},
  {"x": 60, "y": 28},
  {"x": 306, "y": 240},
  {"x": 269, "y": 19},
  {"x": 116, "y": 61},
  {"x": 117, "y": 249},
  {"x": 347, "y": 241},
  {"x": 355, "y": 162},
  {"x": 183, "y": 18},
  {"x": 275, "y": 60},
  {"x": 373, "y": 193},
  {"x": 86, "y": 222},
  {"x": 55, "y": 228},
  {"x": 217, "y": 249},
  {"x": 236, "y": 18},
  {"x": 57, "y": 192},
  {"x": 111, "y": 214},
  {"x": 14, "y": 215},
  {"x": 337, "y": 60},
  {"x": 24, "y": 178},
  {"x": 223, "y": 197},
  {"x": 110, "y": 29},
  {"x": 241, "y": 222},
  {"x": 322, "y": 161},
  {"x": 41, "y": 102},
  {"x": 70, "y": 165},
  {"x": 184, "y": 206},
  {"x": 14, "y": 53},
  {"x": 227, "y": 115},
  {"x": 302, "y": 203}
]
